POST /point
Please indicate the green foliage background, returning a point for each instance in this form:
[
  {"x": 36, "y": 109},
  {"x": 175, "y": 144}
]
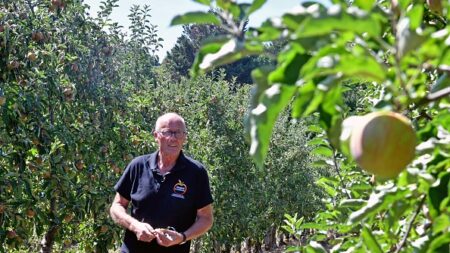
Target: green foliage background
[
  {"x": 79, "y": 99},
  {"x": 78, "y": 103},
  {"x": 392, "y": 55}
]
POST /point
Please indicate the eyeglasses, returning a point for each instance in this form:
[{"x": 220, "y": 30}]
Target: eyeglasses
[{"x": 176, "y": 134}]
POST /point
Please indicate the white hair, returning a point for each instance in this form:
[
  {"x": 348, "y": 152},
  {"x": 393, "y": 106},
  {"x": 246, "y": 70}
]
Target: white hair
[{"x": 167, "y": 116}]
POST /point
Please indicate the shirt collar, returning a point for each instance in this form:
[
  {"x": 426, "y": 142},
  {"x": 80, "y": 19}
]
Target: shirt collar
[{"x": 179, "y": 165}]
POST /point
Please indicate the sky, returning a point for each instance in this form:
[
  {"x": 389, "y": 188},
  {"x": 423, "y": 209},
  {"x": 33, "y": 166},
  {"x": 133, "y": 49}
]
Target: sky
[{"x": 162, "y": 12}]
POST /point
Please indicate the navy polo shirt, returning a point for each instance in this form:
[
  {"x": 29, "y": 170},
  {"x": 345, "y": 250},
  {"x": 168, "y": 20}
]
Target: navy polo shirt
[{"x": 162, "y": 201}]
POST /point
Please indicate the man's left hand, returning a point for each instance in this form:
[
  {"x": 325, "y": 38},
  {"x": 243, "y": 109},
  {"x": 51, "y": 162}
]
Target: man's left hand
[{"x": 167, "y": 237}]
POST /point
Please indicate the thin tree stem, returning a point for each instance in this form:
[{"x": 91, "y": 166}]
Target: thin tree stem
[
  {"x": 410, "y": 224},
  {"x": 336, "y": 166},
  {"x": 434, "y": 96}
]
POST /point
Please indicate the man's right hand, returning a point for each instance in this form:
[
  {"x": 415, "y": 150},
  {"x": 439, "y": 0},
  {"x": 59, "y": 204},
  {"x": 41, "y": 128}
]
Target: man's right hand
[{"x": 144, "y": 232}]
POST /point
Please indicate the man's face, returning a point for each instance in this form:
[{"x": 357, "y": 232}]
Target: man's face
[{"x": 170, "y": 135}]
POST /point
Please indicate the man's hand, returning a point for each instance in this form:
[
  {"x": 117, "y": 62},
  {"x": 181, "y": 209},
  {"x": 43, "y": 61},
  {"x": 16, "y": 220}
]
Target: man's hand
[
  {"x": 167, "y": 237},
  {"x": 144, "y": 232}
]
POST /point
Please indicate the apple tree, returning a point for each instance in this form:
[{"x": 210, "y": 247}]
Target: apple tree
[
  {"x": 65, "y": 129},
  {"x": 389, "y": 56}
]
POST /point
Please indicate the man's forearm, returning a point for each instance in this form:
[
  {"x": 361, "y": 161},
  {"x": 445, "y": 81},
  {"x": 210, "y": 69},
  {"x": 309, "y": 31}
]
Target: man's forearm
[
  {"x": 202, "y": 224},
  {"x": 200, "y": 227},
  {"x": 120, "y": 216}
]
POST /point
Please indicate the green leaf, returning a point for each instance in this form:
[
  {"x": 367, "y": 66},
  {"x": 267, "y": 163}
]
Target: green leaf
[
  {"x": 422, "y": 244},
  {"x": 330, "y": 189},
  {"x": 227, "y": 53},
  {"x": 204, "y": 2},
  {"x": 337, "y": 20},
  {"x": 293, "y": 249},
  {"x": 404, "y": 3},
  {"x": 339, "y": 62},
  {"x": 370, "y": 241},
  {"x": 256, "y": 5},
  {"x": 266, "y": 32},
  {"x": 303, "y": 99},
  {"x": 322, "y": 163},
  {"x": 415, "y": 16},
  {"x": 263, "y": 117},
  {"x": 220, "y": 53},
  {"x": 315, "y": 129},
  {"x": 364, "y": 4},
  {"x": 440, "y": 243},
  {"x": 438, "y": 193},
  {"x": 315, "y": 247},
  {"x": 196, "y": 17},
  {"x": 441, "y": 224},
  {"x": 259, "y": 77},
  {"x": 322, "y": 151},
  {"x": 317, "y": 141},
  {"x": 313, "y": 225},
  {"x": 208, "y": 48},
  {"x": 230, "y": 7},
  {"x": 364, "y": 67},
  {"x": 237, "y": 10},
  {"x": 352, "y": 203},
  {"x": 289, "y": 69},
  {"x": 376, "y": 201},
  {"x": 407, "y": 39}
]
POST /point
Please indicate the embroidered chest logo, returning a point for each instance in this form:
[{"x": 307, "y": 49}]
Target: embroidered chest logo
[{"x": 179, "y": 189}]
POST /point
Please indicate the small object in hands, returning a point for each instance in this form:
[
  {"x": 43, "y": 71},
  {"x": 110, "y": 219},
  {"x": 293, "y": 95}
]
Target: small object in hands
[{"x": 167, "y": 235}]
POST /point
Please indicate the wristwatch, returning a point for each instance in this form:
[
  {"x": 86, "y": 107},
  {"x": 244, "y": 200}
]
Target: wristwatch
[{"x": 184, "y": 238}]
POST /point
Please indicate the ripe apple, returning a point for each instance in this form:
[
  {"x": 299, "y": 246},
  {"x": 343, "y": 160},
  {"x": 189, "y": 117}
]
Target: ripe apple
[
  {"x": 2, "y": 100},
  {"x": 107, "y": 50},
  {"x": 32, "y": 167},
  {"x": 30, "y": 213},
  {"x": 13, "y": 65},
  {"x": 67, "y": 242},
  {"x": 11, "y": 234},
  {"x": 2, "y": 208},
  {"x": 103, "y": 229},
  {"x": 127, "y": 157},
  {"x": 35, "y": 141},
  {"x": 74, "y": 67},
  {"x": 79, "y": 164},
  {"x": 69, "y": 93},
  {"x": 47, "y": 175},
  {"x": 383, "y": 143},
  {"x": 104, "y": 149},
  {"x": 116, "y": 169},
  {"x": 68, "y": 218},
  {"x": 57, "y": 3},
  {"x": 31, "y": 56},
  {"x": 37, "y": 36},
  {"x": 38, "y": 160},
  {"x": 23, "y": 15}
]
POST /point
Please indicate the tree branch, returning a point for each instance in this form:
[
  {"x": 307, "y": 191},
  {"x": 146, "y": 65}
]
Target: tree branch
[
  {"x": 336, "y": 166},
  {"x": 434, "y": 97},
  {"x": 410, "y": 224}
]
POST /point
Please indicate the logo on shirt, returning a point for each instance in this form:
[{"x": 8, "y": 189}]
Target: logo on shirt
[{"x": 179, "y": 189}]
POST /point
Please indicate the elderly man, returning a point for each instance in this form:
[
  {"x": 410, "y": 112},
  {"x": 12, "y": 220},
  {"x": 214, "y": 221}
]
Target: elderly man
[{"x": 169, "y": 192}]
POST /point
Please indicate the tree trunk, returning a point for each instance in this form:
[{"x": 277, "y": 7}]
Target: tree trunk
[{"x": 48, "y": 240}]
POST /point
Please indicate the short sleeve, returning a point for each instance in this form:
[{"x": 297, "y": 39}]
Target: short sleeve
[
  {"x": 125, "y": 183},
  {"x": 204, "y": 196}
]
